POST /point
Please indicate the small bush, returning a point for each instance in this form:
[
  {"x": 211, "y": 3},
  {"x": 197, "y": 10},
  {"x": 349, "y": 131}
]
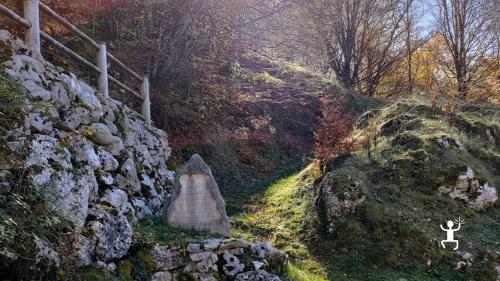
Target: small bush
[{"x": 333, "y": 138}]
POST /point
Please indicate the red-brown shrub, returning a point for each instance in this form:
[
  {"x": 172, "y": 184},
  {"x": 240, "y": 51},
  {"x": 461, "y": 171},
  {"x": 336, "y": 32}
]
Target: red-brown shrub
[{"x": 333, "y": 138}]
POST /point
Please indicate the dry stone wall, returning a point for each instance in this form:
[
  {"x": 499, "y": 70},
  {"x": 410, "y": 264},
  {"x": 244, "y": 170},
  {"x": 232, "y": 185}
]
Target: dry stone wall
[
  {"x": 99, "y": 163},
  {"x": 104, "y": 169},
  {"x": 217, "y": 259}
]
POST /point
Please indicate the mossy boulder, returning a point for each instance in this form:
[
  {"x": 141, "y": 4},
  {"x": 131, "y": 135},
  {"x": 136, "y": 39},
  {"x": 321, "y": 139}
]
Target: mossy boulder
[
  {"x": 340, "y": 194},
  {"x": 400, "y": 123},
  {"x": 408, "y": 141}
]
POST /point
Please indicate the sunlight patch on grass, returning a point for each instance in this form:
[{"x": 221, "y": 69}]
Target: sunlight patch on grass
[
  {"x": 294, "y": 273},
  {"x": 268, "y": 78},
  {"x": 280, "y": 217}
]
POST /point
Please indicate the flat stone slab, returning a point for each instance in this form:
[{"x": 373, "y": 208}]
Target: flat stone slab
[{"x": 196, "y": 202}]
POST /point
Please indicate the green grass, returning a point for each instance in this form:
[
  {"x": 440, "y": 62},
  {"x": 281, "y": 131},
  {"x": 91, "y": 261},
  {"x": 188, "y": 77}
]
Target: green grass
[
  {"x": 280, "y": 216},
  {"x": 393, "y": 234},
  {"x": 154, "y": 230},
  {"x": 267, "y": 78}
]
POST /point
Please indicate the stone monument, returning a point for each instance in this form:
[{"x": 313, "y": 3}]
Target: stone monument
[{"x": 196, "y": 202}]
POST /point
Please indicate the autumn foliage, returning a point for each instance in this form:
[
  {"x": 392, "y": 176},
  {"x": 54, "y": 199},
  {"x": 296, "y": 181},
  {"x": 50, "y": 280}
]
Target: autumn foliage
[{"x": 333, "y": 138}]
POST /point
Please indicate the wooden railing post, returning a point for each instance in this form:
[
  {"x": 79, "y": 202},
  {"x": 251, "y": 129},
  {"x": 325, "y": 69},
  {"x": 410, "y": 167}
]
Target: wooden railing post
[
  {"x": 32, "y": 15},
  {"x": 102, "y": 63},
  {"x": 146, "y": 104}
]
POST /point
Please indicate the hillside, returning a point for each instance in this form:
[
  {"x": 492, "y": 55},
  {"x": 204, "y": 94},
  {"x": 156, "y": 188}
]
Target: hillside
[
  {"x": 376, "y": 215},
  {"x": 269, "y": 134},
  {"x": 249, "y": 140}
]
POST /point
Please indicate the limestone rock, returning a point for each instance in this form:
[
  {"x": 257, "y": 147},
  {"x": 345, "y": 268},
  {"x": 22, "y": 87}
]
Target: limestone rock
[
  {"x": 85, "y": 153},
  {"x": 162, "y": 276},
  {"x": 116, "y": 198},
  {"x": 259, "y": 275},
  {"x": 86, "y": 96},
  {"x": 108, "y": 114},
  {"x": 276, "y": 260},
  {"x": 111, "y": 267},
  {"x": 72, "y": 193},
  {"x": 196, "y": 201},
  {"x": 99, "y": 133},
  {"x": 447, "y": 142},
  {"x": 46, "y": 254},
  {"x": 112, "y": 232},
  {"x": 208, "y": 264},
  {"x": 261, "y": 249},
  {"x": 38, "y": 123},
  {"x": 232, "y": 264},
  {"x": 194, "y": 248},
  {"x": 200, "y": 256},
  {"x": 257, "y": 265},
  {"x": 37, "y": 91},
  {"x": 116, "y": 146},
  {"x": 476, "y": 194},
  {"x": 60, "y": 96},
  {"x": 108, "y": 162},
  {"x": 106, "y": 178},
  {"x": 168, "y": 258},
  {"x": 74, "y": 118},
  {"x": 44, "y": 149},
  {"x": 141, "y": 208},
  {"x": 128, "y": 177},
  {"x": 74, "y": 147},
  {"x": 203, "y": 277},
  {"x": 22, "y": 67},
  {"x": 84, "y": 248},
  {"x": 340, "y": 194}
]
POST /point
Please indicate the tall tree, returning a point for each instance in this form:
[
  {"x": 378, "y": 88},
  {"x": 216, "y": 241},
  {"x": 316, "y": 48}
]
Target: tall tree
[
  {"x": 364, "y": 39},
  {"x": 468, "y": 30}
]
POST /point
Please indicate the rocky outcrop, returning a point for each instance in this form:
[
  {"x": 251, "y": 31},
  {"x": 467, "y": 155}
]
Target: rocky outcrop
[
  {"x": 232, "y": 258},
  {"x": 102, "y": 167},
  {"x": 196, "y": 201},
  {"x": 472, "y": 191},
  {"x": 341, "y": 192}
]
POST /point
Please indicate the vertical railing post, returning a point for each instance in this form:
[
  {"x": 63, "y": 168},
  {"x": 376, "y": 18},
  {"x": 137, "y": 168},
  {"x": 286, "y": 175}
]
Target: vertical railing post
[
  {"x": 32, "y": 15},
  {"x": 102, "y": 63},
  {"x": 146, "y": 104}
]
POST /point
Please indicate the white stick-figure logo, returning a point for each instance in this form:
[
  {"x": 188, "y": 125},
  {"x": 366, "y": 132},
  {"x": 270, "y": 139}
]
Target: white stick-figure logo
[{"x": 450, "y": 232}]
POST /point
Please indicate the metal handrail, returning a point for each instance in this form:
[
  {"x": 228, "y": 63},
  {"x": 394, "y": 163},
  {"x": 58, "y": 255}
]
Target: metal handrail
[{"x": 31, "y": 22}]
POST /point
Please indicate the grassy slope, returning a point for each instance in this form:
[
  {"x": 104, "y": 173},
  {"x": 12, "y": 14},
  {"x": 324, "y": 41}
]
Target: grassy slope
[
  {"x": 397, "y": 228},
  {"x": 394, "y": 234},
  {"x": 284, "y": 215}
]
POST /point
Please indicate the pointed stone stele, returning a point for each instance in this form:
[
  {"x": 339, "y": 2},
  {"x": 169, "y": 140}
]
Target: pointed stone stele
[{"x": 196, "y": 202}]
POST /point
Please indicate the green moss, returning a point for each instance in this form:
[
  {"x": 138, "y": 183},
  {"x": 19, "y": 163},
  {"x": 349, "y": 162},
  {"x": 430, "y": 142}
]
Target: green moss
[
  {"x": 91, "y": 273},
  {"x": 12, "y": 100},
  {"x": 124, "y": 269},
  {"x": 408, "y": 141},
  {"x": 5, "y": 52},
  {"x": 145, "y": 257},
  {"x": 121, "y": 124}
]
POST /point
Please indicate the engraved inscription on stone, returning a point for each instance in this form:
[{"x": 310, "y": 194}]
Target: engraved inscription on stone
[{"x": 196, "y": 201}]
